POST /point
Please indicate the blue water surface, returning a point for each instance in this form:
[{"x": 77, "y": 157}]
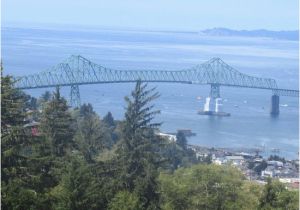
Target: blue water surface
[{"x": 27, "y": 51}]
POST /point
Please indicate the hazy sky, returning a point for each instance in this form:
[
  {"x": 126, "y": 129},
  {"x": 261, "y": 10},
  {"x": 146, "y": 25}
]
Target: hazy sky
[{"x": 157, "y": 14}]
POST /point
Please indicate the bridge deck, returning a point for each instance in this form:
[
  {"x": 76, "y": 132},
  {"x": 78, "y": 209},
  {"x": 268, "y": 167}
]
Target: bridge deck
[{"x": 79, "y": 71}]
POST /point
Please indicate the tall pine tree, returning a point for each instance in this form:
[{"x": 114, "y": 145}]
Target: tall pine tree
[
  {"x": 57, "y": 125},
  {"x": 181, "y": 140},
  {"x": 109, "y": 120},
  {"x": 15, "y": 174},
  {"x": 137, "y": 151},
  {"x": 13, "y": 137}
]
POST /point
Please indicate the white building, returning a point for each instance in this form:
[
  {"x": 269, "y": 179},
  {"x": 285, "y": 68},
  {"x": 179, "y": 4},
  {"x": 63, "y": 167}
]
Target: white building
[
  {"x": 170, "y": 137},
  {"x": 268, "y": 172},
  {"x": 235, "y": 160},
  {"x": 218, "y": 161},
  {"x": 275, "y": 163}
]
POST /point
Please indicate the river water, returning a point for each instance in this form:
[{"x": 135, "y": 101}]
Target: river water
[{"x": 26, "y": 51}]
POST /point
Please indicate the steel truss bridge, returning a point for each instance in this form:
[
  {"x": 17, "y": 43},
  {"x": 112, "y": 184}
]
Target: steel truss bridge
[{"x": 77, "y": 70}]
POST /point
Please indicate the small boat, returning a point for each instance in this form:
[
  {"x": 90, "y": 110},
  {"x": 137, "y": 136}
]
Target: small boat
[
  {"x": 199, "y": 98},
  {"x": 245, "y": 102},
  {"x": 212, "y": 113},
  {"x": 284, "y": 105},
  {"x": 236, "y": 106}
]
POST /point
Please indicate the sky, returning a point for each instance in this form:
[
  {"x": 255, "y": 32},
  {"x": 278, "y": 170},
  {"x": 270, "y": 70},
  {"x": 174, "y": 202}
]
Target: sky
[{"x": 156, "y": 14}]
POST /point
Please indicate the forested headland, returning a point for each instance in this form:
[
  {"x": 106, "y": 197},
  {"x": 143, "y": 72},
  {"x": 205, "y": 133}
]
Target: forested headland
[{"x": 57, "y": 157}]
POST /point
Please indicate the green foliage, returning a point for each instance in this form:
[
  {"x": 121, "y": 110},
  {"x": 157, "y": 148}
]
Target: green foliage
[
  {"x": 175, "y": 156},
  {"x": 13, "y": 137},
  {"x": 276, "y": 196},
  {"x": 56, "y": 124},
  {"x": 92, "y": 135},
  {"x": 181, "y": 140},
  {"x": 15, "y": 195},
  {"x": 82, "y": 162},
  {"x": 46, "y": 96},
  {"x": 109, "y": 120},
  {"x": 137, "y": 151},
  {"x": 19, "y": 183},
  {"x": 125, "y": 200},
  {"x": 86, "y": 110},
  {"x": 201, "y": 187},
  {"x": 260, "y": 167},
  {"x": 12, "y": 100},
  {"x": 43, "y": 100},
  {"x": 288, "y": 200},
  {"x": 249, "y": 195},
  {"x": 30, "y": 102},
  {"x": 71, "y": 193}
]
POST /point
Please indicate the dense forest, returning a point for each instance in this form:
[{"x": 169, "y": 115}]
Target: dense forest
[{"x": 56, "y": 157}]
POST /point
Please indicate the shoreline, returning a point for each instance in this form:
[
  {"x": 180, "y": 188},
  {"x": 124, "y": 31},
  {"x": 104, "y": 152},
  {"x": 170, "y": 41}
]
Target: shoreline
[{"x": 264, "y": 152}]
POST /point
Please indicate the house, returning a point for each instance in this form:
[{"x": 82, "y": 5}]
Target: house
[
  {"x": 218, "y": 161},
  {"x": 32, "y": 128},
  {"x": 235, "y": 160},
  {"x": 275, "y": 163},
  {"x": 268, "y": 172},
  {"x": 258, "y": 160},
  {"x": 246, "y": 155}
]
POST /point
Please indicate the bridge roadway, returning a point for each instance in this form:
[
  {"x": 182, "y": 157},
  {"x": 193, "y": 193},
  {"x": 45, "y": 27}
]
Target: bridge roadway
[{"x": 77, "y": 70}]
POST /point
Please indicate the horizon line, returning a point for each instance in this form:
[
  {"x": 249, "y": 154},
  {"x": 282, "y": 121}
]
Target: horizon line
[{"x": 39, "y": 25}]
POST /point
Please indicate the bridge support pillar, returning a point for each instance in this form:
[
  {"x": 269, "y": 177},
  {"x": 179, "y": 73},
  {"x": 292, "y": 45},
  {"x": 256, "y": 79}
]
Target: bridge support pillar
[
  {"x": 214, "y": 91},
  {"x": 75, "y": 96},
  {"x": 211, "y": 101},
  {"x": 274, "y": 105}
]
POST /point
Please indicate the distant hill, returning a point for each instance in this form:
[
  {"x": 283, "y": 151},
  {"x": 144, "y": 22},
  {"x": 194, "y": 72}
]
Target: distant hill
[{"x": 288, "y": 35}]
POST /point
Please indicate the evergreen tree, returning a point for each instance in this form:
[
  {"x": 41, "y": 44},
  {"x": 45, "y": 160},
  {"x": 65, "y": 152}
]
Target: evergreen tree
[
  {"x": 43, "y": 100},
  {"x": 72, "y": 191},
  {"x": 15, "y": 175},
  {"x": 39, "y": 173},
  {"x": 12, "y": 100},
  {"x": 57, "y": 125},
  {"x": 173, "y": 155},
  {"x": 181, "y": 140},
  {"x": 137, "y": 151},
  {"x": 86, "y": 110},
  {"x": 92, "y": 135},
  {"x": 177, "y": 154},
  {"x": 259, "y": 168},
  {"x": 46, "y": 96},
  {"x": 30, "y": 102},
  {"x": 13, "y": 137},
  {"x": 109, "y": 120}
]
